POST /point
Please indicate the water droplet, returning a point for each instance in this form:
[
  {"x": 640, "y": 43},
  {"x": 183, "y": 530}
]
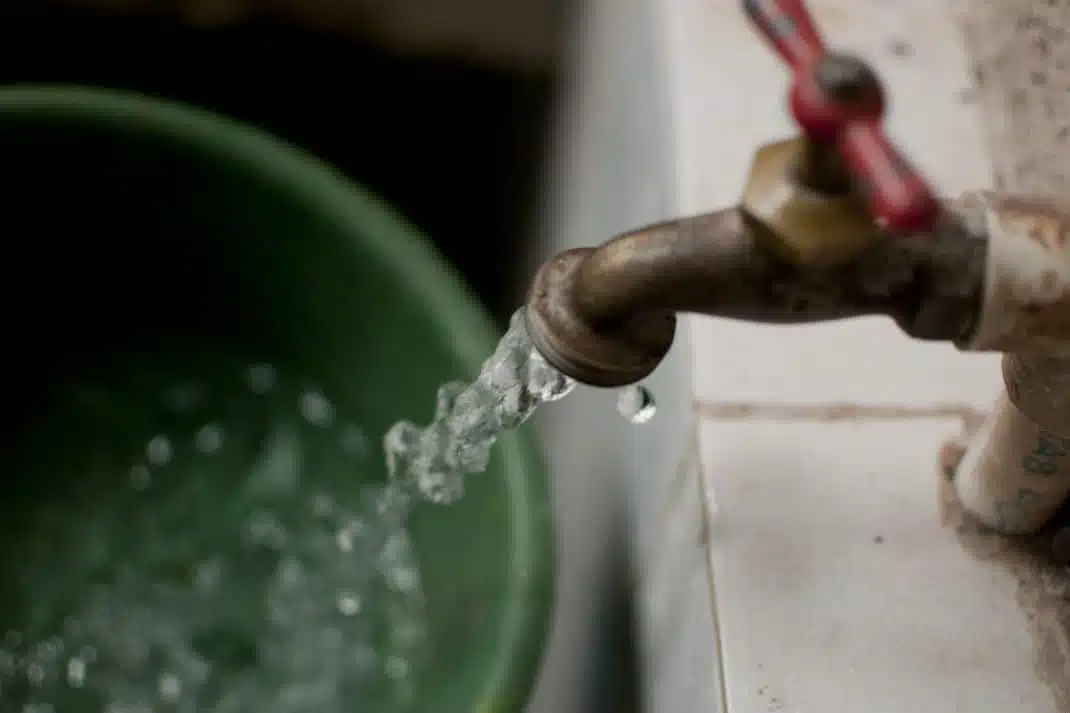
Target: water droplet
[
  {"x": 170, "y": 687},
  {"x": 349, "y": 604},
  {"x": 346, "y": 537},
  {"x": 261, "y": 378},
  {"x": 76, "y": 672},
  {"x": 315, "y": 408},
  {"x": 140, "y": 477},
  {"x": 441, "y": 486},
  {"x": 403, "y": 579},
  {"x": 158, "y": 450},
  {"x": 637, "y": 404},
  {"x": 35, "y": 674},
  {"x": 209, "y": 439},
  {"x": 396, "y": 667}
]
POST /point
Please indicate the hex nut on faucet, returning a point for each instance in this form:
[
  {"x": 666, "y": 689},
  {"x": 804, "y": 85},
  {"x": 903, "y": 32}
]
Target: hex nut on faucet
[{"x": 802, "y": 225}]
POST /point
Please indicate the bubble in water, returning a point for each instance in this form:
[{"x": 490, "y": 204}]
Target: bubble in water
[
  {"x": 209, "y": 439},
  {"x": 76, "y": 669},
  {"x": 158, "y": 450},
  {"x": 441, "y": 486},
  {"x": 315, "y": 408},
  {"x": 349, "y": 604},
  {"x": 401, "y": 443},
  {"x": 140, "y": 477},
  {"x": 636, "y": 404},
  {"x": 346, "y": 537},
  {"x": 323, "y": 609},
  {"x": 261, "y": 378},
  {"x": 170, "y": 687},
  {"x": 403, "y": 579}
]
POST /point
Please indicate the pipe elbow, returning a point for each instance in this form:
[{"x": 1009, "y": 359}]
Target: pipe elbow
[
  {"x": 1025, "y": 305},
  {"x": 606, "y": 316}
]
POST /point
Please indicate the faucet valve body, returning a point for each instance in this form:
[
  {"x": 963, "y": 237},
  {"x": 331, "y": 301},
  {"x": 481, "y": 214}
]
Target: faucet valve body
[
  {"x": 607, "y": 353},
  {"x": 838, "y": 102},
  {"x": 1016, "y": 472}
]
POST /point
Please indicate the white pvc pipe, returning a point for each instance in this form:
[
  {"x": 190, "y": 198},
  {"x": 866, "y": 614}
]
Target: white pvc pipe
[{"x": 1015, "y": 475}]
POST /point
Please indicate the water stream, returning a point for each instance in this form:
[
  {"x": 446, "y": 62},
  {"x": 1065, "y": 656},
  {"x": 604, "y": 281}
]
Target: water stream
[{"x": 431, "y": 462}]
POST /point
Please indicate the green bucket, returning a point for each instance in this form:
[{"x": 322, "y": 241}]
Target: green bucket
[{"x": 147, "y": 242}]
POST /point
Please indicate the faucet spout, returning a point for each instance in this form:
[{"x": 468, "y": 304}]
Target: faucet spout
[{"x": 607, "y": 316}]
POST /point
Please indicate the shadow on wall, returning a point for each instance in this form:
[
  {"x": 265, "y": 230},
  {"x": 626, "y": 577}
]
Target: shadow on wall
[{"x": 455, "y": 147}]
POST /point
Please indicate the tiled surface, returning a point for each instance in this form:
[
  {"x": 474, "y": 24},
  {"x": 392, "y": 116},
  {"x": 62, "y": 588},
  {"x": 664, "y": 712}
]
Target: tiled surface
[
  {"x": 680, "y": 667},
  {"x": 837, "y": 588},
  {"x": 729, "y": 97}
]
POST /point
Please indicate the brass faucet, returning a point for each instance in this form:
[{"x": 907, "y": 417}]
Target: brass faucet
[
  {"x": 832, "y": 224},
  {"x": 835, "y": 224}
]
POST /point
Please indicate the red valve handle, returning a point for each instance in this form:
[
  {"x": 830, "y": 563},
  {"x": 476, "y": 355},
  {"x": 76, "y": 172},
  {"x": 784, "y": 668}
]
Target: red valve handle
[{"x": 837, "y": 100}]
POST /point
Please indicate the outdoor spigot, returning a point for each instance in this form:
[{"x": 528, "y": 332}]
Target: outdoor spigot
[
  {"x": 832, "y": 224},
  {"x": 838, "y": 102}
]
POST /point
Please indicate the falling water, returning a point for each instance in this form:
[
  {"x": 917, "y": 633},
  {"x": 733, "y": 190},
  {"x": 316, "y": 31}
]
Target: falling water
[
  {"x": 636, "y": 403},
  {"x": 431, "y": 462}
]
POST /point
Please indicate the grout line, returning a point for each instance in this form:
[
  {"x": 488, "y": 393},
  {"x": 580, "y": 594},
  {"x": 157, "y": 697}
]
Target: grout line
[
  {"x": 711, "y": 582},
  {"x": 829, "y": 413},
  {"x": 685, "y": 468}
]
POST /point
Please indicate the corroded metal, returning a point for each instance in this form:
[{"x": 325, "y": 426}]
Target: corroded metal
[
  {"x": 606, "y": 316},
  {"x": 797, "y": 222},
  {"x": 1027, "y": 301}
]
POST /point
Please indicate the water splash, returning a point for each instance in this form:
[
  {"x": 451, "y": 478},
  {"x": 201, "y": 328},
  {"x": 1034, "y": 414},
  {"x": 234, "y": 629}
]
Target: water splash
[
  {"x": 290, "y": 586},
  {"x": 431, "y": 463}
]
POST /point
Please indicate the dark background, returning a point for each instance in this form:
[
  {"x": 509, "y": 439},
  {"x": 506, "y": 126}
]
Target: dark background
[{"x": 453, "y": 145}]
